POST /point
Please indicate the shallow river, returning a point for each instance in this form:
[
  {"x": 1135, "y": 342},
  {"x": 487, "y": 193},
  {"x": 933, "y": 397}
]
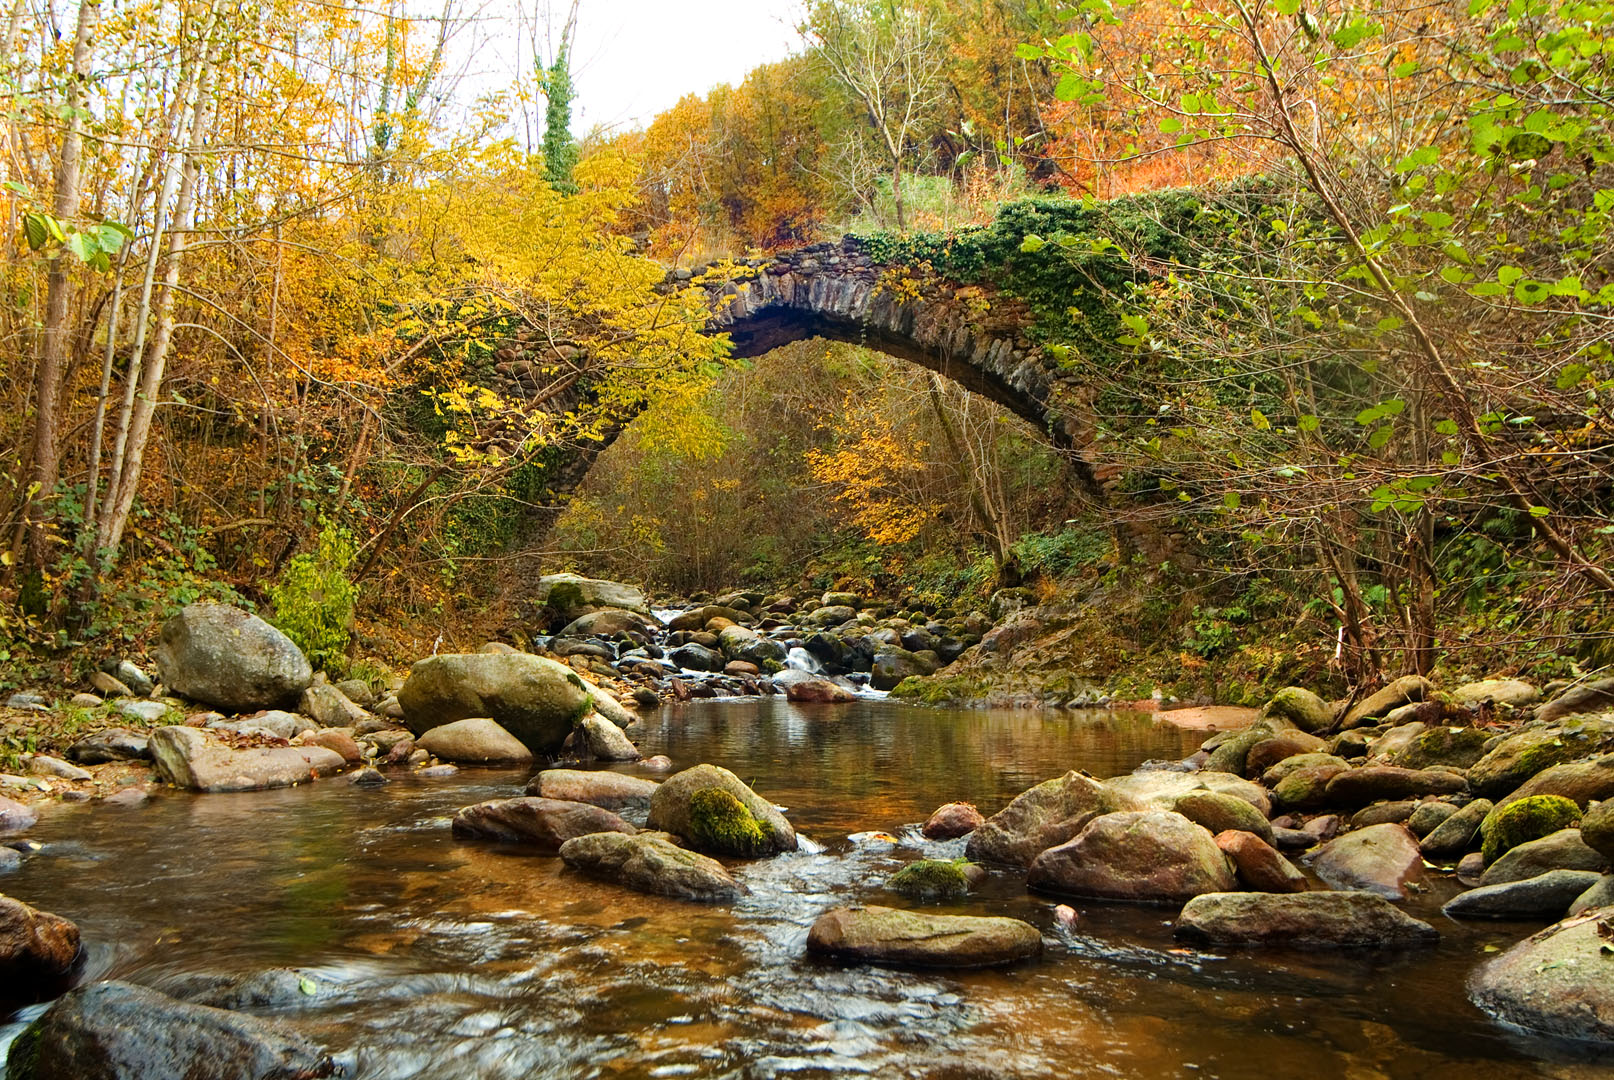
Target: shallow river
[{"x": 437, "y": 958}]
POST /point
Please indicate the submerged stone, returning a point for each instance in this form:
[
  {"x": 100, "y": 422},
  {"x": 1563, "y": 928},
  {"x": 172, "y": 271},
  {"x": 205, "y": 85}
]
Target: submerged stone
[{"x": 890, "y": 936}]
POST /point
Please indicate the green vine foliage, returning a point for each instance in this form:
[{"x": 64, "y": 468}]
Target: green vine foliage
[{"x": 313, "y": 600}]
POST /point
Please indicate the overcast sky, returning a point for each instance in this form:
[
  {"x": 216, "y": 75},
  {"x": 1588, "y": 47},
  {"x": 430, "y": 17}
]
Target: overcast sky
[{"x": 635, "y": 58}]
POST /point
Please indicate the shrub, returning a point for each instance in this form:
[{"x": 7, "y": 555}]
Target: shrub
[{"x": 313, "y": 599}]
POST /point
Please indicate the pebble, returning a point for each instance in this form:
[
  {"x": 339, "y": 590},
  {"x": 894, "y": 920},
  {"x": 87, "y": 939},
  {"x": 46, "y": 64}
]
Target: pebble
[
  {"x": 149, "y": 711},
  {"x": 45, "y": 765},
  {"x": 438, "y": 770},
  {"x": 26, "y": 701},
  {"x": 368, "y": 778},
  {"x": 128, "y": 797},
  {"x": 85, "y": 701},
  {"x": 659, "y": 763}
]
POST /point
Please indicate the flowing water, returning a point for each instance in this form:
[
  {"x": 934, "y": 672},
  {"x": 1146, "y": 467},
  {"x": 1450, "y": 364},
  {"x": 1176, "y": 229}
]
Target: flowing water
[{"x": 438, "y": 958}]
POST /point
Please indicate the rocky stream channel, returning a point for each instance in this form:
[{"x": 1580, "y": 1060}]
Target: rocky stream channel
[{"x": 567, "y": 862}]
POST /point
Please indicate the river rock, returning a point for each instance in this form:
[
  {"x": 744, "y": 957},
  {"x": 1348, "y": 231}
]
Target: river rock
[
  {"x": 927, "y": 881},
  {"x": 108, "y": 686},
  {"x": 952, "y": 821},
  {"x": 546, "y": 823},
  {"x": 1456, "y": 747},
  {"x": 118, "y": 1031},
  {"x": 610, "y": 623},
  {"x": 609, "y": 790},
  {"x": 37, "y": 951},
  {"x": 606, "y": 741},
  {"x": 890, "y": 936},
  {"x": 1601, "y": 894},
  {"x": 818, "y": 691},
  {"x": 1300, "y": 707},
  {"x": 693, "y": 657},
  {"x": 892, "y": 665},
  {"x": 358, "y": 692},
  {"x": 1160, "y": 789},
  {"x": 535, "y": 699},
  {"x": 1381, "y": 813},
  {"x": 1429, "y": 816},
  {"x": 1218, "y": 812},
  {"x": 1597, "y": 829},
  {"x": 1506, "y": 827},
  {"x": 1276, "y": 774},
  {"x": 1556, "y": 982},
  {"x": 1403, "y": 690},
  {"x": 1357, "y": 919},
  {"x": 1456, "y": 834},
  {"x": 1546, "y": 896},
  {"x": 1307, "y": 789},
  {"x": 274, "y": 723},
  {"x": 711, "y": 824},
  {"x": 1150, "y": 856},
  {"x": 1042, "y": 817},
  {"x": 1259, "y": 865},
  {"x": 190, "y": 758},
  {"x": 1562, "y": 850},
  {"x": 229, "y": 659},
  {"x": 329, "y": 707},
  {"x": 1581, "y": 782},
  {"x": 1521, "y": 755},
  {"x": 1376, "y": 783},
  {"x": 1285, "y": 744},
  {"x": 1584, "y": 698},
  {"x": 338, "y": 739},
  {"x": 1513, "y": 692},
  {"x": 650, "y": 863},
  {"x": 1381, "y": 859},
  {"x": 45, "y": 765},
  {"x": 473, "y": 740},
  {"x": 113, "y": 744},
  {"x": 570, "y": 596}
]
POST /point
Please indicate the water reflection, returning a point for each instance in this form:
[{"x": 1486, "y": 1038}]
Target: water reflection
[{"x": 440, "y": 959}]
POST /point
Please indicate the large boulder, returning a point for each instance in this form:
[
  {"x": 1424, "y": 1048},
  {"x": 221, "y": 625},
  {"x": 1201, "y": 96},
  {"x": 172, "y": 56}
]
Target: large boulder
[
  {"x": 329, "y": 707},
  {"x": 1520, "y": 822},
  {"x": 1456, "y": 747},
  {"x": 1043, "y": 817},
  {"x": 1597, "y": 829},
  {"x": 650, "y": 863},
  {"x": 692, "y": 805},
  {"x": 1456, "y": 834},
  {"x": 814, "y": 690},
  {"x": 1377, "y": 783},
  {"x": 111, "y": 744},
  {"x": 953, "y": 820},
  {"x": 1313, "y": 918},
  {"x": 1161, "y": 789},
  {"x": 1557, "y": 982},
  {"x": 38, "y": 951},
  {"x": 611, "y": 791},
  {"x": 1406, "y": 689},
  {"x": 1149, "y": 856},
  {"x": 693, "y": 657},
  {"x": 473, "y": 741},
  {"x": 1562, "y": 850},
  {"x": 1512, "y": 692},
  {"x": 117, "y": 1031},
  {"x": 1517, "y": 757},
  {"x": 1300, "y": 707},
  {"x": 536, "y": 700},
  {"x": 1259, "y": 865},
  {"x": 1219, "y": 812},
  {"x": 188, "y": 757},
  {"x": 610, "y": 623},
  {"x": 1546, "y": 896},
  {"x": 1581, "y": 782},
  {"x": 893, "y": 665},
  {"x": 1584, "y": 698},
  {"x": 1601, "y": 894},
  {"x": 544, "y": 823},
  {"x": 1381, "y": 859},
  {"x": 1282, "y": 746},
  {"x": 882, "y": 935},
  {"x": 569, "y": 596},
  {"x": 230, "y": 659}
]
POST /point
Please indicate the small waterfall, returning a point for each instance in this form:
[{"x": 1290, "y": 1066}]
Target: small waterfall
[{"x": 802, "y": 660}]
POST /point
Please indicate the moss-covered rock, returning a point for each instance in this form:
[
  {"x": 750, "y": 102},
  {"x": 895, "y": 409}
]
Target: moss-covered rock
[
  {"x": 932, "y": 879},
  {"x": 1459, "y": 747},
  {"x": 1597, "y": 829},
  {"x": 1514, "y": 759},
  {"x": 1302, "y": 708},
  {"x": 673, "y": 810},
  {"x": 1517, "y": 823},
  {"x": 720, "y": 823}
]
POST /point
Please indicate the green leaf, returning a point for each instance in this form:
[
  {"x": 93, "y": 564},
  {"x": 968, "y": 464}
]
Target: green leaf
[
  {"x": 1308, "y": 423},
  {"x": 1437, "y": 219},
  {"x": 1507, "y": 275},
  {"x": 1428, "y": 155},
  {"x": 1287, "y": 7},
  {"x": 1572, "y": 375},
  {"x": 1027, "y": 52},
  {"x": 1539, "y": 511},
  {"x": 34, "y": 229},
  {"x": 1171, "y": 125},
  {"x": 1259, "y": 419},
  {"x": 1070, "y": 86},
  {"x": 1231, "y": 500},
  {"x": 1032, "y": 243},
  {"x": 307, "y": 986},
  {"x": 1401, "y": 71},
  {"x": 1380, "y": 436},
  {"x": 1446, "y": 427}
]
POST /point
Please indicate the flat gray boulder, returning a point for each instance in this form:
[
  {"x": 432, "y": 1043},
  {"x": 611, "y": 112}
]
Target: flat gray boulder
[
  {"x": 535, "y": 699},
  {"x": 1562, "y": 850},
  {"x": 1355, "y": 919},
  {"x": 608, "y": 790},
  {"x": 1558, "y": 982},
  {"x": 230, "y": 659},
  {"x": 199, "y": 760},
  {"x": 893, "y": 937},
  {"x": 1547, "y": 896},
  {"x": 475, "y": 740},
  {"x": 651, "y": 863}
]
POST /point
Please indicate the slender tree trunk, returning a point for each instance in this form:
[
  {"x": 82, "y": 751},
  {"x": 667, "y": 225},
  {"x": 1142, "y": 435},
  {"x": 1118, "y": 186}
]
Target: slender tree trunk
[{"x": 48, "y": 376}]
